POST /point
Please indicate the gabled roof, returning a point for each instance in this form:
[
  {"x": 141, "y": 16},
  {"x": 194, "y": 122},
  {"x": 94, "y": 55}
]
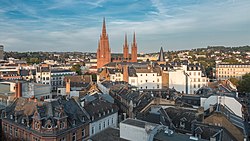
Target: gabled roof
[{"x": 23, "y": 111}]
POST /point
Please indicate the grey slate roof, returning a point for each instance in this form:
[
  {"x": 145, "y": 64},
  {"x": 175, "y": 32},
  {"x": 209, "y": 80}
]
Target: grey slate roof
[{"x": 23, "y": 111}]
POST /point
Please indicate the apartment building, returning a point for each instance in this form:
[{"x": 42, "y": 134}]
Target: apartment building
[{"x": 226, "y": 71}]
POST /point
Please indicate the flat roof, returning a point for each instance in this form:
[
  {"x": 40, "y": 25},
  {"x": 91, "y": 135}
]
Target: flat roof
[
  {"x": 161, "y": 136},
  {"x": 108, "y": 134},
  {"x": 138, "y": 123}
]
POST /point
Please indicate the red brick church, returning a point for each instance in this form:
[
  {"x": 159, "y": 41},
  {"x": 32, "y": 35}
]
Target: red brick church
[{"x": 104, "y": 51}]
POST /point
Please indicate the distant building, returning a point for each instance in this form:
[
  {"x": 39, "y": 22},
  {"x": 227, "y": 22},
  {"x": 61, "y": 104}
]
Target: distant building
[
  {"x": 226, "y": 71},
  {"x": 146, "y": 77},
  {"x": 1, "y": 52},
  {"x": 8, "y": 90},
  {"x": 43, "y": 74},
  {"x": 77, "y": 85},
  {"x": 57, "y": 77},
  {"x": 104, "y": 52},
  {"x": 185, "y": 78},
  {"x": 10, "y": 72}
]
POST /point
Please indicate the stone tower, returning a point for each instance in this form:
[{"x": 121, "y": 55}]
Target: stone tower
[
  {"x": 125, "y": 49},
  {"x": 134, "y": 50},
  {"x": 103, "y": 51}
]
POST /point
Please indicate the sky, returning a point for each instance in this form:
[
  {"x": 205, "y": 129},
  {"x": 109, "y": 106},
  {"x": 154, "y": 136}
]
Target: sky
[{"x": 75, "y": 25}]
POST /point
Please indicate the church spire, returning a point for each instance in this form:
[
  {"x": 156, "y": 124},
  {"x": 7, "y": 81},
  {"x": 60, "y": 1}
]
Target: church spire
[
  {"x": 161, "y": 56},
  {"x": 103, "y": 51},
  {"x": 134, "y": 50},
  {"x": 125, "y": 48},
  {"x": 104, "y": 27},
  {"x": 134, "y": 41}
]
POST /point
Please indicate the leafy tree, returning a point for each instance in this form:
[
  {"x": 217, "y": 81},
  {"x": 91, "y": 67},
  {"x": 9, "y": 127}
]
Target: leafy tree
[
  {"x": 244, "y": 84},
  {"x": 77, "y": 68},
  {"x": 235, "y": 81}
]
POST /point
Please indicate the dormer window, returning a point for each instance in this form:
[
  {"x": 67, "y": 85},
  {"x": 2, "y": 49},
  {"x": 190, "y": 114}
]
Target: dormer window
[
  {"x": 49, "y": 126},
  {"x": 99, "y": 114},
  {"x": 104, "y": 113},
  {"x": 11, "y": 116},
  {"x": 61, "y": 125},
  {"x": 22, "y": 121},
  {"x": 93, "y": 118},
  {"x": 74, "y": 122},
  {"x": 108, "y": 111},
  {"x": 37, "y": 125},
  {"x": 83, "y": 119},
  {"x": 112, "y": 110},
  {"x": 182, "y": 124}
]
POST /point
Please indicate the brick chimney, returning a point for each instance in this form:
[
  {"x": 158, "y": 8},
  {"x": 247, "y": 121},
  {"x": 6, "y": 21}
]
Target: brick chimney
[
  {"x": 68, "y": 86},
  {"x": 18, "y": 89},
  {"x": 125, "y": 73}
]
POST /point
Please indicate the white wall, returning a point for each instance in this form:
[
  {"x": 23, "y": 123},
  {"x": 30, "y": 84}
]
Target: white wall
[
  {"x": 133, "y": 133},
  {"x": 149, "y": 81},
  {"x": 105, "y": 120},
  {"x": 133, "y": 81},
  {"x": 196, "y": 80},
  {"x": 177, "y": 80},
  {"x": 230, "y": 102}
]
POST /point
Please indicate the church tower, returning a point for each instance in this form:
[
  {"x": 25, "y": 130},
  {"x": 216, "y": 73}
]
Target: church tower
[
  {"x": 134, "y": 50},
  {"x": 103, "y": 51},
  {"x": 125, "y": 49}
]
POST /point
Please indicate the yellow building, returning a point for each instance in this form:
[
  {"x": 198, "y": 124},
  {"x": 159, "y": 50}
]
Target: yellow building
[{"x": 226, "y": 71}]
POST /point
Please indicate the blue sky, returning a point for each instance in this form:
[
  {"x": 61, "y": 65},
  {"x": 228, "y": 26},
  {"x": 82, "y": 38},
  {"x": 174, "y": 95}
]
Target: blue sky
[{"x": 75, "y": 25}]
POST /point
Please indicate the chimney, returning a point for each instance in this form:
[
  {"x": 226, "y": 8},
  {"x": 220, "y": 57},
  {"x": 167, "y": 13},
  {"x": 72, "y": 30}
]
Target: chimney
[
  {"x": 68, "y": 86},
  {"x": 125, "y": 73},
  {"x": 18, "y": 89}
]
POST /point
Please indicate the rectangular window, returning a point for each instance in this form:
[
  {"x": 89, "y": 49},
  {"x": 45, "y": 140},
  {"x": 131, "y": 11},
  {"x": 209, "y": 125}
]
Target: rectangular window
[
  {"x": 16, "y": 132},
  {"x": 5, "y": 128},
  {"x": 10, "y": 130},
  {"x": 100, "y": 127},
  {"x": 83, "y": 132},
  {"x": 74, "y": 137},
  {"x": 108, "y": 122},
  {"x": 93, "y": 130},
  {"x": 112, "y": 121},
  {"x": 63, "y": 139},
  {"x": 104, "y": 125}
]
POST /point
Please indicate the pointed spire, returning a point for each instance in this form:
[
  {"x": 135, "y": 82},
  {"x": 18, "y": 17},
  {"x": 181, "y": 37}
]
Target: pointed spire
[
  {"x": 161, "y": 55},
  {"x": 126, "y": 41},
  {"x": 103, "y": 27},
  {"x": 134, "y": 41}
]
